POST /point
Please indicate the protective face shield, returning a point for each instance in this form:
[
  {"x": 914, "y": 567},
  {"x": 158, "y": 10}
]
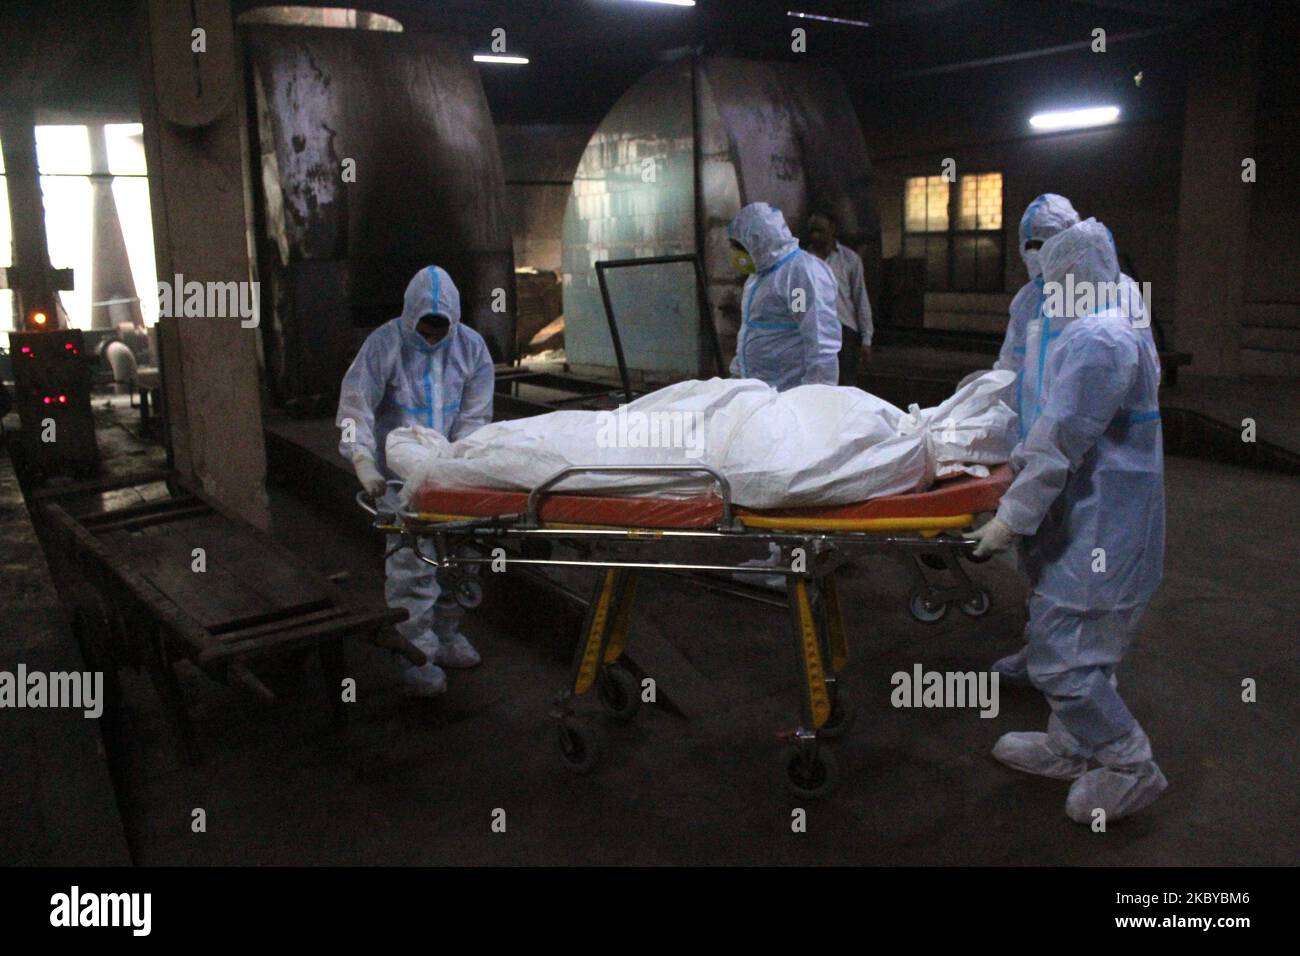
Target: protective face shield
[{"x": 743, "y": 262}]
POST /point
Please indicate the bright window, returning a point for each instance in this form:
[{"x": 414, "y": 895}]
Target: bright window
[
  {"x": 957, "y": 231},
  {"x": 80, "y": 180}
]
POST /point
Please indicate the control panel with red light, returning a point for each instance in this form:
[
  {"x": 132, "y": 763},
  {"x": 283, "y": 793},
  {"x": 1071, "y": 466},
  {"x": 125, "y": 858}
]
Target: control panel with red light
[{"x": 52, "y": 379}]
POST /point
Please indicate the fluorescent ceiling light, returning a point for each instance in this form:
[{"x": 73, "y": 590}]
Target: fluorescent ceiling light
[
  {"x": 672, "y": 3},
  {"x": 818, "y": 16},
  {"x": 499, "y": 58},
  {"x": 1075, "y": 119}
]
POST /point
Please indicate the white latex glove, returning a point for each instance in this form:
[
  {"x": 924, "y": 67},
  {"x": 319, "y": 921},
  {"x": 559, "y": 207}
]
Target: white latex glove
[
  {"x": 993, "y": 536},
  {"x": 369, "y": 476}
]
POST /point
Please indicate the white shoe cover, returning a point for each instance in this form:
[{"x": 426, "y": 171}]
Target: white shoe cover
[
  {"x": 456, "y": 651},
  {"x": 1119, "y": 791},
  {"x": 1033, "y": 752},
  {"x": 427, "y": 680}
]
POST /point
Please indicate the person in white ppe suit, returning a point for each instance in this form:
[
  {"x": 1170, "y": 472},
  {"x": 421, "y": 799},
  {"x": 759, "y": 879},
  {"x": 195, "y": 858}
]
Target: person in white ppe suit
[
  {"x": 422, "y": 368},
  {"x": 1046, "y": 216},
  {"x": 789, "y": 326},
  {"x": 1087, "y": 503},
  {"x": 789, "y": 329}
]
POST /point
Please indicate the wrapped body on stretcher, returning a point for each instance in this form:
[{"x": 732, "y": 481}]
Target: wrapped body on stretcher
[
  {"x": 811, "y": 446},
  {"x": 819, "y": 474}
]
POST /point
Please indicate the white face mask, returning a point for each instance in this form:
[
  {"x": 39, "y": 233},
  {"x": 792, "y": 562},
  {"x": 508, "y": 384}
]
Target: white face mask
[{"x": 1032, "y": 264}]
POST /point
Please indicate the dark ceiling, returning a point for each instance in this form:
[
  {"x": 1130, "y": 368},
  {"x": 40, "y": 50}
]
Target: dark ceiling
[{"x": 78, "y": 55}]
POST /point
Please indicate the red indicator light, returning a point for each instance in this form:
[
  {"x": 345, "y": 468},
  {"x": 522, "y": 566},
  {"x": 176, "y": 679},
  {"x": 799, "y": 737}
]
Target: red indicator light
[
  {"x": 63, "y": 399},
  {"x": 47, "y": 399},
  {"x": 67, "y": 345},
  {"x": 27, "y": 350}
]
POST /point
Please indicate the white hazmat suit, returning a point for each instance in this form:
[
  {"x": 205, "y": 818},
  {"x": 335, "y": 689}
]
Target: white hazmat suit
[
  {"x": 399, "y": 379},
  {"x": 1088, "y": 505},
  {"x": 789, "y": 329}
]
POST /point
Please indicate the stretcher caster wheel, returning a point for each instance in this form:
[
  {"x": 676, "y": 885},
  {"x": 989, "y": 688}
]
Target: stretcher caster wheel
[
  {"x": 840, "y": 720},
  {"x": 619, "y": 692},
  {"x": 926, "y": 609},
  {"x": 809, "y": 775},
  {"x": 976, "y": 606},
  {"x": 468, "y": 593},
  {"x": 582, "y": 745}
]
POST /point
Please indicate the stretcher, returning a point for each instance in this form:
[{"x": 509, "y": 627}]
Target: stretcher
[{"x": 458, "y": 530}]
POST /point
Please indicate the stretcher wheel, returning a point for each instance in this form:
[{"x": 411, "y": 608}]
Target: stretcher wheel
[
  {"x": 582, "y": 745},
  {"x": 926, "y": 609},
  {"x": 841, "y": 719},
  {"x": 468, "y": 593},
  {"x": 809, "y": 775},
  {"x": 619, "y": 692},
  {"x": 976, "y": 606}
]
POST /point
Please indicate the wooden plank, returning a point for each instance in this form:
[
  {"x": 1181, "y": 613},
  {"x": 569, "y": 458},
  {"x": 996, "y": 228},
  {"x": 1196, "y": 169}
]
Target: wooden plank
[
  {"x": 354, "y": 623},
  {"x": 310, "y": 617},
  {"x": 212, "y": 598},
  {"x": 101, "y": 485},
  {"x": 96, "y": 518},
  {"x": 259, "y": 564},
  {"x": 160, "y": 516},
  {"x": 169, "y": 613}
]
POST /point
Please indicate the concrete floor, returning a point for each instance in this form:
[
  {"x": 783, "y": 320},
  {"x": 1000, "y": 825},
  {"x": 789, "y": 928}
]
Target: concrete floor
[{"x": 417, "y": 782}]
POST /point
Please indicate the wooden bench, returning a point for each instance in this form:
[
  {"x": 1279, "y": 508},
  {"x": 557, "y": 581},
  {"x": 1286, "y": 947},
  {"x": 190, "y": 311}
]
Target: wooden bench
[{"x": 131, "y": 575}]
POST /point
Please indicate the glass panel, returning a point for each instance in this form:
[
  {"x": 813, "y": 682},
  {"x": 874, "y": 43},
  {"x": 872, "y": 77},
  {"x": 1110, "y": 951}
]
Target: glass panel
[
  {"x": 977, "y": 264},
  {"x": 125, "y": 143},
  {"x": 936, "y": 205},
  {"x": 914, "y": 205},
  {"x": 62, "y": 150},
  {"x": 936, "y": 263},
  {"x": 964, "y": 268},
  {"x": 925, "y": 204},
  {"x": 68, "y": 203},
  {"x": 988, "y": 260},
  {"x": 980, "y": 201},
  {"x": 132, "y": 198}
]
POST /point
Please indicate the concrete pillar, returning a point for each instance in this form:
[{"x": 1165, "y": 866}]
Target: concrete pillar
[
  {"x": 1214, "y": 203},
  {"x": 30, "y": 276},
  {"x": 194, "y": 143}
]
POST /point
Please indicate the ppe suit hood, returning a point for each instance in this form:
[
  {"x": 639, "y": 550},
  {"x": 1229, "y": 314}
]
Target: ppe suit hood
[
  {"x": 761, "y": 229},
  {"x": 430, "y": 291},
  {"x": 1046, "y": 216},
  {"x": 1085, "y": 251}
]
